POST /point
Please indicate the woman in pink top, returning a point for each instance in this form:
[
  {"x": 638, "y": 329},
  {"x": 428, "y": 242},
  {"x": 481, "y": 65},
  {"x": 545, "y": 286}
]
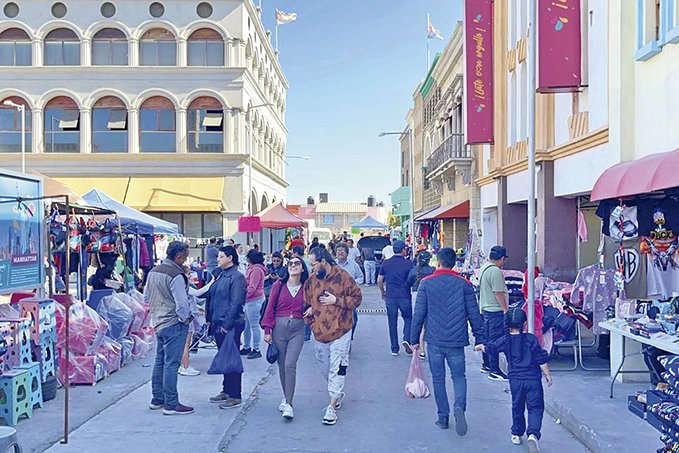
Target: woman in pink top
[
  {"x": 254, "y": 298},
  {"x": 283, "y": 324}
]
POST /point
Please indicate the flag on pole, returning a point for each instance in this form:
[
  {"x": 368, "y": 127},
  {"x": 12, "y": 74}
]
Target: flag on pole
[
  {"x": 284, "y": 18},
  {"x": 431, "y": 31}
]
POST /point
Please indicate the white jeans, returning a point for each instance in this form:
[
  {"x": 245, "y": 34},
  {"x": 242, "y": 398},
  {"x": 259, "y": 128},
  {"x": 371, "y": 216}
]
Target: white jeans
[
  {"x": 329, "y": 357},
  {"x": 369, "y": 266}
]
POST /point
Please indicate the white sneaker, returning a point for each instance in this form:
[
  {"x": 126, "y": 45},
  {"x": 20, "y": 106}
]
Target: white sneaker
[
  {"x": 533, "y": 444},
  {"x": 516, "y": 440},
  {"x": 190, "y": 371},
  {"x": 330, "y": 416},
  {"x": 281, "y": 407},
  {"x": 288, "y": 413}
]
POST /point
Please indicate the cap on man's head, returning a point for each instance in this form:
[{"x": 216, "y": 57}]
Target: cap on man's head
[
  {"x": 399, "y": 246},
  {"x": 498, "y": 252}
]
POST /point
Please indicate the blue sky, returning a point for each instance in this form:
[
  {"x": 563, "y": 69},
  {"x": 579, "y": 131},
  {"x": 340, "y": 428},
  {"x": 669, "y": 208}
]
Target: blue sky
[{"x": 353, "y": 66}]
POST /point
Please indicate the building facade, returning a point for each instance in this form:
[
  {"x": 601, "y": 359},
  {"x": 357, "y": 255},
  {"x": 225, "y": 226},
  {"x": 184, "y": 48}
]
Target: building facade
[
  {"x": 339, "y": 217},
  {"x": 158, "y": 104}
]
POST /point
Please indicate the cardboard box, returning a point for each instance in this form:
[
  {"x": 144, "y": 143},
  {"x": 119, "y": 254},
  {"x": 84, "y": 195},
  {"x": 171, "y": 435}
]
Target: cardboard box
[{"x": 635, "y": 407}]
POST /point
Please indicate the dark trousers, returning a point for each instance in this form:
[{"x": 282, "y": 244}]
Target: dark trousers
[
  {"x": 406, "y": 307},
  {"x": 454, "y": 357},
  {"x": 494, "y": 328},
  {"x": 527, "y": 394},
  {"x": 353, "y": 329},
  {"x": 231, "y": 384}
]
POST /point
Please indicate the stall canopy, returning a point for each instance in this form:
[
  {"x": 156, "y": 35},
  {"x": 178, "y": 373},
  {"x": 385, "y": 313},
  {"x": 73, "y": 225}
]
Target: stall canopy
[
  {"x": 455, "y": 211},
  {"x": 420, "y": 218},
  {"x": 53, "y": 188},
  {"x": 369, "y": 223},
  {"x": 276, "y": 216},
  {"x": 144, "y": 223},
  {"x": 648, "y": 174}
]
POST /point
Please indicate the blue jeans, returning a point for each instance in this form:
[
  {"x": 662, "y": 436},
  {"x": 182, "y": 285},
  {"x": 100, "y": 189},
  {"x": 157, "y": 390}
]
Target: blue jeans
[
  {"x": 527, "y": 394},
  {"x": 406, "y": 307},
  {"x": 169, "y": 351},
  {"x": 232, "y": 382},
  {"x": 252, "y": 335},
  {"x": 438, "y": 356},
  {"x": 307, "y": 332},
  {"x": 494, "y": 328}
]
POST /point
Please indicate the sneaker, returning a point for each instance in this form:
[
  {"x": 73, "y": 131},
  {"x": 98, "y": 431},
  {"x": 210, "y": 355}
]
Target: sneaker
[
  {"x": 407, "y": 347},
  {"x": 288, "y": 413},
  {"x": 338, "y": 404},
  {"x": 442, "y": 423},
  {"x": 254, "y": 355},
  {"x": 190, "y": 371},
  {"x": 394, "y": 354},
  {"x": 330, "y": 416},
  {"x": 281, "y": 407},
  {"x": 460, "y": 421},
  {"x": 245, "y": 351},
  {"x": 485, "y": 369},
  {"x": 423, "y": 356},
  {"x": 533, "y": 444},
  {"x": 179, "y": 409},
  {"x": 516, "y": 440},
  {"x": 231, "y": 403},
  {"x": 222, "y": 397},
  {"x": 499, "y": 376},
  {"x": 156, "y": 404}
]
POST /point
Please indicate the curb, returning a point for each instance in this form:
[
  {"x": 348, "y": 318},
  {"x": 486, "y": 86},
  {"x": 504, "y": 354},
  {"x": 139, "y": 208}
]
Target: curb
[{"x": 577, "y": 428}]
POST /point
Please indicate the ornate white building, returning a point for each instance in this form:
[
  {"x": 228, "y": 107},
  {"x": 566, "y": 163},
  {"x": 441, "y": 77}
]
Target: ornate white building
[{"x": 152, "y": 102}]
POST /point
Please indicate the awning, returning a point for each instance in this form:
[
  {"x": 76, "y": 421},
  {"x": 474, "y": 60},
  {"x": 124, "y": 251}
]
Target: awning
[
  {"x": 115, "y": 187},
  {"x": 457, "y": 211},
  {"x": 276, "y": 216},
  {"x": 369, "y": 223},
  {"x": 421, "y": 216},
  {"x": 176, "y": 194},
  {"x": 213, "y": 119},
  {"x": 648, "y": 174},
  {"x": 52, "y": 187}
]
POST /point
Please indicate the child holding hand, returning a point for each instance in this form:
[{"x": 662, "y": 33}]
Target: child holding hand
[{"x": 525, "y": 359}]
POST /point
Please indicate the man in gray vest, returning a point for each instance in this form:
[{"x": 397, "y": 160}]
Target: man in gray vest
[{"x": 167, "y": 294}]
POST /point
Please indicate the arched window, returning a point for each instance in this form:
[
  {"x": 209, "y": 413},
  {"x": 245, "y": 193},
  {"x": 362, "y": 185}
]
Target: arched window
[
  {"x": 157, "y": 126},
  {"x": 109, "y": 126},
  {"x": 109, "y": 48},
  {"x": 158, "y": 48},
  {"x": 206, "y": 125},
  {"x": 62, "y": 48},
  {"x": 62, "y": 126},
  {"x": 206, "y": 48},
  {"x": 10, "y": 126},
  {"x": 15, "y": 48}
]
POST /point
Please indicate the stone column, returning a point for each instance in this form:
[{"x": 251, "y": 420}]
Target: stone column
[
  {"x": 134, "y": 52},
  {"x": 227, "y": 127},
  {"x": 261, "y": 149},
  {"x": 182, "y": 52},
  {"x": 85, "y": 131},
  {"x": 38, "y": 55},
  {"x": 85, "y": 52},
  {"x": 230, "y": 56},
  {"x": 38, "y": 145},
  {"x": 512, "y": 232},
  {"x": 133, "y": 135},
  {"x": 181, "y": 131}
]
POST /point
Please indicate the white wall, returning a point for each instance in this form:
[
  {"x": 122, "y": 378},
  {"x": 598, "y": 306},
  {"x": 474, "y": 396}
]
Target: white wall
[
  {"x": 577, "y": 174},
  {"x": 489, "y": 196},
  {"x": 563, "y": 108},
  {"x": 489, "y": 230},
  {"x": 597, "y": 63},
  {"x": 517, "y": 187}
]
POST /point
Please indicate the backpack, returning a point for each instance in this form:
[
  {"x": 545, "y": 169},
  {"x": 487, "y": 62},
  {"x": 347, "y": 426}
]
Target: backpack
[{"x": 266, "y": 303}]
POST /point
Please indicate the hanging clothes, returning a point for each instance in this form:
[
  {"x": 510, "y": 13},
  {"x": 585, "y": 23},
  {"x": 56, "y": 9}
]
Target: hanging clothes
[
  {"x": 632, "y": 261},
  {"x": 662, "y": 264},
  {"x": 599, "y": 292},
  {"x": 583, "y": 232}
]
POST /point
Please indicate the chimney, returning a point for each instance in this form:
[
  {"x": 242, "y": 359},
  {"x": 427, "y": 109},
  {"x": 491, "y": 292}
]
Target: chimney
[{"x": 323, "y": 197}]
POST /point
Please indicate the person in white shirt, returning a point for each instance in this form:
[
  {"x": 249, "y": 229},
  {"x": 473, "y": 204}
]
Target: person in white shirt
[
  {"x": 354, "y": 252},
  {"x": 387, "y": 252},
  {"x": 242, "y": 266}
]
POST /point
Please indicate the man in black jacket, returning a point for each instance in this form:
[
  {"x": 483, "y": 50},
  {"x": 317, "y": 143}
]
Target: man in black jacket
[
  {"x": 225, "y": 312},
  {"x": 446, "y": 303}
]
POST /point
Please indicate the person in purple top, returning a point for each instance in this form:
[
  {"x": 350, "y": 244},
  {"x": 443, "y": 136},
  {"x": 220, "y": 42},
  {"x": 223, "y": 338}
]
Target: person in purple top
[{"x": 394, "y": 273}]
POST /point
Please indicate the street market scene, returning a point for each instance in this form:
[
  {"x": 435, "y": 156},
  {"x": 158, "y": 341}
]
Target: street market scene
[{"x": 370, "y": 226}]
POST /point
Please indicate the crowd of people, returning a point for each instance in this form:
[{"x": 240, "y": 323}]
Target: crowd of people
[{"x": 299, "y": 297}]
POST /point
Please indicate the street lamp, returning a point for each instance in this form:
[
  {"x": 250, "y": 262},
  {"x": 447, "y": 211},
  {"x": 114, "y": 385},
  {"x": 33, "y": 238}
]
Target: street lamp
[
  {"x": 412, "y": 181},
  {"x": 250, "y": 152},
  {"x": 295, "y": 157},
  {"x": 22, "y": 112}
]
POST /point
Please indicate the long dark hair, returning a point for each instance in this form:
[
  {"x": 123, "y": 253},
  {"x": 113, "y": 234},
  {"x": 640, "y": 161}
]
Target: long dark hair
[
  {"x": 515, "y": 319},
  {"x": 422, "y": 260},
  {"x": 302, "y": 278},
  {"x": 230, "y": 250}
]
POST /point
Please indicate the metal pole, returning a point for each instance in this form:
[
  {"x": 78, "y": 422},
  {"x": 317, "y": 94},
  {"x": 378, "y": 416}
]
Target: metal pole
[
  {"x": 22, "y": 110},
  {"x": 531, "y": 166},
  {"x": 249, "y": 163},
  {"x": 68, "y": 320},
  {"x": 412, "y": 192}
]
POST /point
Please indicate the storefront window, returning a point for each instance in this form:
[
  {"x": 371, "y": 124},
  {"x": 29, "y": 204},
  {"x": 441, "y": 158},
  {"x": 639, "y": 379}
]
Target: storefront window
[{"x": 212, "y": 225}]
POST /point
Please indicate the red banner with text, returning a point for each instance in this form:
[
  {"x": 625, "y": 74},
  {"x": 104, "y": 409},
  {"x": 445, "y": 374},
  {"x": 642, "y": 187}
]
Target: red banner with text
[
  {"x": 478, "y": 18},
  {"x": 249, "y": 224},
  {"x": 559, "y": 46}
]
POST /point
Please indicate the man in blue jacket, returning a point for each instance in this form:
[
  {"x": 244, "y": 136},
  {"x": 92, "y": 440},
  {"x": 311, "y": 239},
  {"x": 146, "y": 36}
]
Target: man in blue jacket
[{"x": 446, "y": 303}]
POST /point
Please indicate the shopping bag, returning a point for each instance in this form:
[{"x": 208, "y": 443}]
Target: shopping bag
[
  {"x": 227, "y": 359},
  {"x": 416, "y": 384},
  {"x": 272, "y": 353}
]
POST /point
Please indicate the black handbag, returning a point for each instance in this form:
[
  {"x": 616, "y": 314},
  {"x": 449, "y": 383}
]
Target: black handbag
[{"x": 272, "y": 353}]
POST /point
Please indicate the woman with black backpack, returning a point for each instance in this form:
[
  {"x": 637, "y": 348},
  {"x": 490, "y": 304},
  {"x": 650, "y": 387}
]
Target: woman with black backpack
[{"x": 283, "y": 323}]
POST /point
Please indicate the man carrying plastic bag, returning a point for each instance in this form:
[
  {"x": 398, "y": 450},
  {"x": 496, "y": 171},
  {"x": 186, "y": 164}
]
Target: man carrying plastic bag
[
  {"x": 446, "y": 303},
  {"x": 416, "y": 384}
]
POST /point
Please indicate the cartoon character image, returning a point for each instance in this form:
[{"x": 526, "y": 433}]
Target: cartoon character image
[{"x": 661, "y": 260}]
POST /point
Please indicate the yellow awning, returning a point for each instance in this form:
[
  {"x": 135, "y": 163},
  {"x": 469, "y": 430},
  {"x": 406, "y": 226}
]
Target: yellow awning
[
  {"x": 113, "y": 187},
  {"x": 176, "y": 194}
]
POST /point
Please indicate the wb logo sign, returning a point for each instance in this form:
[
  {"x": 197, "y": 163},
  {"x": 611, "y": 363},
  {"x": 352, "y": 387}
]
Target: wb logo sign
[{"x": 630, "y": 260}]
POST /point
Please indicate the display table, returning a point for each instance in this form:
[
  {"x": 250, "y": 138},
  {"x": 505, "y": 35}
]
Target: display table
[{"x": 625, "y": 345}]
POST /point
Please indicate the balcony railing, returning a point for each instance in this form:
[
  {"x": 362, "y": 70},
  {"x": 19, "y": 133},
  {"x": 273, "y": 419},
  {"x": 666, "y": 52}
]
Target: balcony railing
[{"x": 451, "y": 149}]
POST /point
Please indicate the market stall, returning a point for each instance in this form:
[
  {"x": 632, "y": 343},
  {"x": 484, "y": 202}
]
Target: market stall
[{"x": 276, "y": 217}]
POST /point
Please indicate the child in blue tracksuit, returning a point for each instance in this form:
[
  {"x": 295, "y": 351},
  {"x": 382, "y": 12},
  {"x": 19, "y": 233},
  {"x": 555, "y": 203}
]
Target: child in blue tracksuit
[{"x": 525, "y": 358}]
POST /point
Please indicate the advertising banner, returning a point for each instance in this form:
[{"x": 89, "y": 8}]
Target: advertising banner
[
  {"x": 21, "y": 232},
  {"x": 478, "y": 20},
  {"x": 249, "y": 224},
  {"x": 559, "y": 46}
]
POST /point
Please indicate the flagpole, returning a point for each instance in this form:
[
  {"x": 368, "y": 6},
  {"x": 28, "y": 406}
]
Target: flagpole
[
  {"x": 428, "y": 55},
  {"x": 276, "y": 36}
]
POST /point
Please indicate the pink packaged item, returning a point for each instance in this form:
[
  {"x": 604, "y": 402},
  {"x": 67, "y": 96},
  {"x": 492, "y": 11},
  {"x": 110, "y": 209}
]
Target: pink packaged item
[
  {"x": 87, "y": 330},
  {"x": 83, "y": 369},
  {"x": 117, "y": 314},
  {"x": 139, "y": 297},
  {"x": 138, "y": 310},
  {"x": 416, "y": 384},
  {"x": 112, "y": 351}
]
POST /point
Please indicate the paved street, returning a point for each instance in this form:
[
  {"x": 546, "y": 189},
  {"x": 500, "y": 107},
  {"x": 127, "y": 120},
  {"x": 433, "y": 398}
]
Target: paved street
[{"x": 376, "y": 415}]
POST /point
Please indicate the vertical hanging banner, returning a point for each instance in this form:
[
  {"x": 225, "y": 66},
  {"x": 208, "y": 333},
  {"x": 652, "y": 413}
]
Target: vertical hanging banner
[
  {"x": 559, "y": 46},
  {"x": 478, "y": 29}
]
